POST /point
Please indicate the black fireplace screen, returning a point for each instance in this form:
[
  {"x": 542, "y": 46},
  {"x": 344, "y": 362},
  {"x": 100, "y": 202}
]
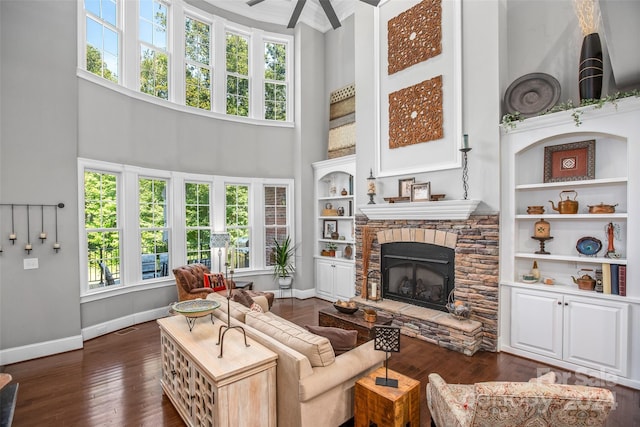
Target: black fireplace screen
[{"x": 418, "y": 273}]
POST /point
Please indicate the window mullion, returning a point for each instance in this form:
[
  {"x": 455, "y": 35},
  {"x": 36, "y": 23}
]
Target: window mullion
[
  {"x": 130, "y": 52},
  {"x": 256, "y": 75},
  {"x": 219, "y": 68}
]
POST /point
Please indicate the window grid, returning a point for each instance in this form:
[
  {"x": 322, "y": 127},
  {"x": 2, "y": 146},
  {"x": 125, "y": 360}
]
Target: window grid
[
  {"x": 237, "y": 54},
  {"x": 102, "y": 234},
  {"x": 276, "y": 226},
  {"x": 275, "y": 87},
  {"x": 154, "y": 48},
  {"x": 154, "y": 229},
  {"x": 237, "y": 223},
  {"x": 102, "y": 50},
  {"x": 198, "y": 73},
  {"x": 198, "y": 223}
]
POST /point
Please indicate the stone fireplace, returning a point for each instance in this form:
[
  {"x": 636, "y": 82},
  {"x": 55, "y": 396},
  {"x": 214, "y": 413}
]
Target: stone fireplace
[{"x": 473, "y": 242}]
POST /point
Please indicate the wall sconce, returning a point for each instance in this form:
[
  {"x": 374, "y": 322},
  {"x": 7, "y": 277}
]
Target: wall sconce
[
  {"x": 371, "y": 187},
  {"x": 28, "y": 247},
  {"x": 387, "y": 339},
  {"x": 12, "y": 236},
  {"x": 43, "y": 235}
]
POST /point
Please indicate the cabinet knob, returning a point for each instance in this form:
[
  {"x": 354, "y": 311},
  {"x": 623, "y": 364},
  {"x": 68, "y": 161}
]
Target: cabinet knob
[
  {"x": 559, "y": 302},
  {"x": 566, "y": 303}
]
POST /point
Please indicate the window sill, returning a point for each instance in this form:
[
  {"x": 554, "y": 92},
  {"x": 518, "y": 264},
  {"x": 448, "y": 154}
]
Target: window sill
[{"x": 113, "y": 291}]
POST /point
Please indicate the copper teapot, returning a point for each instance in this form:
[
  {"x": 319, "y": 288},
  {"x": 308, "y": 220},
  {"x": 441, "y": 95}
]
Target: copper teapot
[
  {"x": 585, "y": 281},
  {"x": 566, "y": 206}
]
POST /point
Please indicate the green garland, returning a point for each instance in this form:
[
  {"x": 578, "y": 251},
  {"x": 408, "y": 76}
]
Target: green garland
[{"x": 509, "y": 120}]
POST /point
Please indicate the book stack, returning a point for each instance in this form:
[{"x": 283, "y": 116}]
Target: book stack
[{"x": 614, "y": 279}]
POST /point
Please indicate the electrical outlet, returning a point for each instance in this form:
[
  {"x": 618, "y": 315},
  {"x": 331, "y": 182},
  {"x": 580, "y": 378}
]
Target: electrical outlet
[{"x": 30, "y": 263}]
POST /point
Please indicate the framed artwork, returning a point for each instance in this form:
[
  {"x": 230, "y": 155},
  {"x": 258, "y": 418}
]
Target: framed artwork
[
  {"x": 421, "y": 192},
  {"x": 575, "y": 161},
  {"x": 329, "y": 226},
  {"x": 404, "y": 187},
  {"x": 419, "y": 86}
]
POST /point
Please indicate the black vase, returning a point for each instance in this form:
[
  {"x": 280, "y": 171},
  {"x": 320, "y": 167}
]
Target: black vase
[{"x": 591, "y": 67}]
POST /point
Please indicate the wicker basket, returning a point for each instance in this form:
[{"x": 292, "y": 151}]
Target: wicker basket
[{"x": 370, "y": 315}]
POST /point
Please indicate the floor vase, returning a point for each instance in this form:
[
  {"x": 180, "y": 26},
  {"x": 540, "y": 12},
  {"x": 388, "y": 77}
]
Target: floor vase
[{"x": 591, "y": 67}]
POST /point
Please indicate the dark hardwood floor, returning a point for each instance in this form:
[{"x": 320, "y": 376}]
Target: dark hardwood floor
[{"x": 115, "y": 379}]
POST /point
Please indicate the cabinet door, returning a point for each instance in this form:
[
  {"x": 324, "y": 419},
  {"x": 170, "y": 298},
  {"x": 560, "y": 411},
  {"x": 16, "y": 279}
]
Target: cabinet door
[
  {"x": 344, "y": 281},
  {"x": 168, "y": 364},
  {"x": 536, "y": 322},
  {"x": 183, "y": 367},
  {"x": 595, "y": 333},
  {"x": 204, "y": 393},
  {"x": 324, "y": 278}
]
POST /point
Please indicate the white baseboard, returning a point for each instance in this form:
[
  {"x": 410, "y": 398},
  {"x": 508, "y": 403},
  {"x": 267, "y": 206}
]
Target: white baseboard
[
  {"x": 41, "y": 349},
  {"x": 48, "y": 348},
  {"x": 122, "y": 322}
]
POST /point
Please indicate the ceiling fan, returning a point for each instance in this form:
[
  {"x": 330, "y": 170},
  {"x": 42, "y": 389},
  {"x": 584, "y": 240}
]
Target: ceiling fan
[{"x": 326, "y": 6}]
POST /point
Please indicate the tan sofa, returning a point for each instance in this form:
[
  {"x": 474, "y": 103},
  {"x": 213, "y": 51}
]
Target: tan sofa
[{"x": 314, "y": 387}]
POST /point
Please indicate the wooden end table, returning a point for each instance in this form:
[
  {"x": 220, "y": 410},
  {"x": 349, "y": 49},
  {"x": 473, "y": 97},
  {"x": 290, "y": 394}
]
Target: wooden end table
[
  {"x": 329, "y": 316},
  {"x": 387, "y": 406}
]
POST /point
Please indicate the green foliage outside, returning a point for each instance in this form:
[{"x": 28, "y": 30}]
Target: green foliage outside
[
  {"x": 237, "y": 75},
  {"x": 97, "y": 66},
  {"x": 275, "y": 95},
  {"x": 154, "y": 76},
  {"x": 198, "y": 79},
  {"x": 237, "y": 212}
]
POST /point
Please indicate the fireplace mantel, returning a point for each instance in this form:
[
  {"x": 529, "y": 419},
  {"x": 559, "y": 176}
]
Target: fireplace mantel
[{"x": 443, "y": 209}]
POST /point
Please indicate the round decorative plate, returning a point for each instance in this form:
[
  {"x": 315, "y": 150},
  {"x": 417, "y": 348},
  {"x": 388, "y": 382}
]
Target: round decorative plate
[
  {"x": 532, "y": 94},
  {"x": 589, "y": 246},
  {"x": 529, "y": 280},
  {"x": 195, "y": 307}
]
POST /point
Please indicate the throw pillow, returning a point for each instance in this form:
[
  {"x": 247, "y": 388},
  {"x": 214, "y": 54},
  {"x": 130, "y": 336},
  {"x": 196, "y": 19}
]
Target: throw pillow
[
  {"x": 256, "y": 307},
  {"x": 341, "y": 340},
  {"x": 242, "y": 297},
  {"x": 548, "y": 378}
]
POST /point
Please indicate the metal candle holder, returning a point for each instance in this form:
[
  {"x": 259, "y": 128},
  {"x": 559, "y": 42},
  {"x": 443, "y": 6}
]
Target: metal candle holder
[
  {"x": 226, "y": 328},
  {"x": 465, "y": 171}
]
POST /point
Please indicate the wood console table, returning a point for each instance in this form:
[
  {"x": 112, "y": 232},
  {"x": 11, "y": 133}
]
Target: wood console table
[
  {"x": 238, "y": 389},
  {"x": 329, "y": 316}
]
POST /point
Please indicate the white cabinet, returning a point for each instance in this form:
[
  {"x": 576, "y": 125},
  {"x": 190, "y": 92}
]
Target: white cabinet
[
  {"x": 237, "y": 389},
  {"x": 584, "y": 331},
  {"x": 334, "y": 222}
]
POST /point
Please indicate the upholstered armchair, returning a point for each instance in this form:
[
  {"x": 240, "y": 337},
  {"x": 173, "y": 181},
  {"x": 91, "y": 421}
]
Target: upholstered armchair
[
  {"x": 495, "y": 404},
  {"x": 190, "y": 281}
]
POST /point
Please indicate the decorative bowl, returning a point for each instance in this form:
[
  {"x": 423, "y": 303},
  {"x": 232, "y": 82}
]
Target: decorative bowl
[
  {"x": 588, "y": 246},
  {"x": 347, "y": 309},
  {"x": 195, "y": 307}
]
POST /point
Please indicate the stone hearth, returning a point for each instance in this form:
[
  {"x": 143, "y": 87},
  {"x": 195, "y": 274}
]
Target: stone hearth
[{"x": 475, "y": 241}]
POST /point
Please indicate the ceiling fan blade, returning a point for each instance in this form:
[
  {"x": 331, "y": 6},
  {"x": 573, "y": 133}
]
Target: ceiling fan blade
[
  {"x": 372, "y": 2},
  {"x": 296, "y": 14},
  {"x": 331, "y": 14},
  {"x": 254, "y": 2}
]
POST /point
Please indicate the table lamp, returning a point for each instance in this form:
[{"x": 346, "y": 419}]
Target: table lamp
[
  {"x": 387, "y": 339},
  {"x": 220, "y": 239}
]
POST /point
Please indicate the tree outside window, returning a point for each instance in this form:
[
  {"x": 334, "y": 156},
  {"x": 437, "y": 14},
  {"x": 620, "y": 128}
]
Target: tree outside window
[
  {"x": 154, "y": 54},
  {"x": 237, "y": 56},
  {"x": 102, "y": 38},
  {"x": 237, "y": 223},
  {"x": 198, "y": 223},
  {"x": 101, "y": 228},
  {"x": 154, "y": 230},
  {"x": 275, "y": 88},
  {"x": 276, "y": 226},
  {"x": 197, "y": 69}
]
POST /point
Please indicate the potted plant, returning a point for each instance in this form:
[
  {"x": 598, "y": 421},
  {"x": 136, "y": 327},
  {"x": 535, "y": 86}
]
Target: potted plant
[
  {"x": 331, "y": 247},
  {"x": 283, "y": 256}
]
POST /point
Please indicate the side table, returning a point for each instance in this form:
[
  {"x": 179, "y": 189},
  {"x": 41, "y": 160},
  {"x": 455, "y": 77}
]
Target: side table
[{"x": 387, "y": 406}]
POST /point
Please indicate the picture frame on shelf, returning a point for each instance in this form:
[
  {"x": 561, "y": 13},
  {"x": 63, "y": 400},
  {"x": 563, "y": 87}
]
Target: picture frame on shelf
[
  {"x": 404, "y": 187},
  {"x": 421, "y": 192},
  {"x": 329, "y": 226},
  {"x": 574, "y": 161}
]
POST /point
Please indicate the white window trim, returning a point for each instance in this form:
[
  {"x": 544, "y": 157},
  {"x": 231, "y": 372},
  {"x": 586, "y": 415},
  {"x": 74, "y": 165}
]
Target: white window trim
[
  {"x": 129, "y": 62},
  {"x": 128, "y": 222}
]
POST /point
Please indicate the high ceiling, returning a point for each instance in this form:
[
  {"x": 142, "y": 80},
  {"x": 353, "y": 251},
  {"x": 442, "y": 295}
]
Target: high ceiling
[{"x": 280, "y": 11}]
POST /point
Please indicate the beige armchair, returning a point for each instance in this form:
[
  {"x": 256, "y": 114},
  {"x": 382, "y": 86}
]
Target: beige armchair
[{"x": 496, "y": 404}]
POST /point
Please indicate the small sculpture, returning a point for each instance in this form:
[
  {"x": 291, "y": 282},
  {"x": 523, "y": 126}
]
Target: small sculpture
[{"x": 613, "y": 231}]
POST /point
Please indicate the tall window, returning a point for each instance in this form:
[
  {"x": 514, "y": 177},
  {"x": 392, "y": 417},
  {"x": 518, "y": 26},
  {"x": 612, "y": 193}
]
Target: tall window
[
  {"x": 154, "y": 53},
  {"x": 103, "y": 35},
  {"x": 275, "y": 76},
  {"x": 197, "y": 64},
  {"x": 237, "y": 223},
  {"x": 101, "y": 228},
  {"x": 154, "y": 227},
  {"x": 276, "y": 226},
  {"x": 237, "y": 75},
  {"x": 198, "y": 223}
]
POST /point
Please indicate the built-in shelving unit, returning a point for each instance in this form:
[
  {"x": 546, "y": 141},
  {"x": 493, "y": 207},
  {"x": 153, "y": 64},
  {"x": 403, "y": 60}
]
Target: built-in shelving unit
[
  {"x": 562, "y": 324},
  {"x": 335, "y": 211}
]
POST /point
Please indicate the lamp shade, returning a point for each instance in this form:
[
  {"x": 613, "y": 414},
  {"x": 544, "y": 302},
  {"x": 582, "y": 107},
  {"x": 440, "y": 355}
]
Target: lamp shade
[{"x": 220, "y": 239}]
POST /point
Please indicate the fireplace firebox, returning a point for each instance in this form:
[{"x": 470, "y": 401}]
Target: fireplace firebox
[{"x": 418, "y": 273}]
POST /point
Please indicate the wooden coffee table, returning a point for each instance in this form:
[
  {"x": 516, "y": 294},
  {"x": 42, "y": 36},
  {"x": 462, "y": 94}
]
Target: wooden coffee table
[{"x": 329, "y": 316}]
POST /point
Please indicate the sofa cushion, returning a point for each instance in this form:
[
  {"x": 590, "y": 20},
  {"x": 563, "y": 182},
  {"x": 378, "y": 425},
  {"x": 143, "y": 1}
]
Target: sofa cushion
[
  {"x": 316, "y": 348},
  {"x": 342, "y": 340},
  {"x": 241, "y": 296},
  {"x": 238, "y": 311}
]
